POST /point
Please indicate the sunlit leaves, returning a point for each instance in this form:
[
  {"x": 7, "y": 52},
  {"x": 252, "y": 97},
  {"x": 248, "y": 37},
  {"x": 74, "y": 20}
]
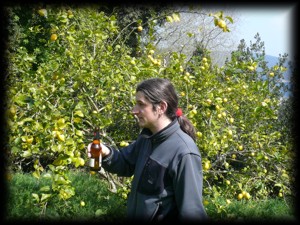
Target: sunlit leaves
[{"x": 60, "y": 90}]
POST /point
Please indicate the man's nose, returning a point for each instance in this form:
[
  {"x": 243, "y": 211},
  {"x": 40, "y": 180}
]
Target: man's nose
[{"x": 134, "y": 110}]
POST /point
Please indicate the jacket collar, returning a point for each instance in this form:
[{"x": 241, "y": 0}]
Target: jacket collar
[{"x": 162, "y": 134}]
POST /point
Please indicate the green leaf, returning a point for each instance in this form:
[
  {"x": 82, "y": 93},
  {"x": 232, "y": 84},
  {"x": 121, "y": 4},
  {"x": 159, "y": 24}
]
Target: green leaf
[
  {"x": 169, "y": 19},
  {"x": 278, "y": 185},
  {"x": 99, "y": 212},
  {"x": 79, "y": 113},
  {"x": 58, "y": 162},
  {"x": 79, "y": 133},
  {"x": 70, "y": 141},
  {"x": 26, "y": 154},
  {"x": 24, "y": 121},
  {"x": 229, "y": 18},
  {"x": 35, "y": 197},
  {"x": 77, "y": 120},
  {"x": 78, "y": 161},
  {"x": 216, "y": 22},
  {"x": 36, "y": 174},
  {"x": 67, "y": 192},
  {"x": 45, "y": 197},
  {"x": 47, "y": 175},
  {"x": 15, "y": 150},
  {"x": 45, "y": 188},
  {"x": 189, "y": 34},
  {"x": 21, "y": 99},
  {"x": 61, "y": 123}
]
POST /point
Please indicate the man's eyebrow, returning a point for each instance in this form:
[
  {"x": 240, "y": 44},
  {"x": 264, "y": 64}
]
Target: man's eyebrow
[{"x": 140, "y": 100}]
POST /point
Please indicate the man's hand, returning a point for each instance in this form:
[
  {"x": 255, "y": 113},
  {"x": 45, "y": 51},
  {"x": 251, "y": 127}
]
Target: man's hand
[{"x": 105, "y": 150}]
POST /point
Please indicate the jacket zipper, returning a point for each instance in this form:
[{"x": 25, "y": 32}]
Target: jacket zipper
[{"x": 156, "y": 210}]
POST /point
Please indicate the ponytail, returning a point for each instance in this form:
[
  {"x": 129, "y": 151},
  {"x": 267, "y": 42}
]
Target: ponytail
[{"x": 186, "y": 126}]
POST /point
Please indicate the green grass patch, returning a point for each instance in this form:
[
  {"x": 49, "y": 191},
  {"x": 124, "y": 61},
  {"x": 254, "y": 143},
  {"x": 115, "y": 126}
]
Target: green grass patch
[
  {"x": 99, "y": 203},
  {"x": 102, "y": 205},
  {"x": 267, "y": 210}
]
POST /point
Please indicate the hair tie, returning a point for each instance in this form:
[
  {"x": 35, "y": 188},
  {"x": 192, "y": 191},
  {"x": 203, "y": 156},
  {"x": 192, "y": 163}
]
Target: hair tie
[{"x": 179, "y": 112}]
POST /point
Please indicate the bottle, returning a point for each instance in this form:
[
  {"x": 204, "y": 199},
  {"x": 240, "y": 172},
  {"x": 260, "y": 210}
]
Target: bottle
[{"x": 96, "y": 156}]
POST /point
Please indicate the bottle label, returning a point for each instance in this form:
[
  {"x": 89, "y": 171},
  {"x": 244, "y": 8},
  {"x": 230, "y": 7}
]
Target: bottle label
[{"x": 92, "y": 162}]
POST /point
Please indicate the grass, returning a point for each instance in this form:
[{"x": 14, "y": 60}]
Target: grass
[
  {"x": 100, "y": 203},
  {"x": 267, "y": 210},
  {"x": 103, "y": 205}
]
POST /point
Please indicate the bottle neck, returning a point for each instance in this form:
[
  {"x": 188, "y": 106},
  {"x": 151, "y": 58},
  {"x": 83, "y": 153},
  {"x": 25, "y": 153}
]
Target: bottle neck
[{"x": 96, "y": 134}]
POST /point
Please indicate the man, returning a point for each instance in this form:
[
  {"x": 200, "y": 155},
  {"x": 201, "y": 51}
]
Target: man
[{"x": 164, "y": 160}]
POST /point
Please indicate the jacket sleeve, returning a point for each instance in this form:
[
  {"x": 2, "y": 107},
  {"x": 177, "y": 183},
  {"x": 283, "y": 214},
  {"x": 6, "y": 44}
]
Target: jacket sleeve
[
  {"x": 121, "y": 162},
  {"x": 188, "y": 186}
]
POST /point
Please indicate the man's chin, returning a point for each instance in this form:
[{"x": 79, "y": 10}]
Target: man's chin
[{"x": 141, "y": 124}]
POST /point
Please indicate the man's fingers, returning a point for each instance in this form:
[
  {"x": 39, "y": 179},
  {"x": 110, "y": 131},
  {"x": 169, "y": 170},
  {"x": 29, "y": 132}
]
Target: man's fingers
[
  {"x": 105, "y": 150},
  {"x": 89, "y": 149}
]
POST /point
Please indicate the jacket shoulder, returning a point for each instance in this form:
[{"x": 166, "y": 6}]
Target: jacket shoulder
[{"x": 186, "y": 145}]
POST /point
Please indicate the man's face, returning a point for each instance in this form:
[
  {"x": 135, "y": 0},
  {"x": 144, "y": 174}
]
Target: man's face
[{"x": 143, "y": 111}]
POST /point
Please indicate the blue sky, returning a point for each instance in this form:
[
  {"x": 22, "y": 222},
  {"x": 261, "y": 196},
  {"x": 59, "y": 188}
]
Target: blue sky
[{"x": 274, "y": 24}]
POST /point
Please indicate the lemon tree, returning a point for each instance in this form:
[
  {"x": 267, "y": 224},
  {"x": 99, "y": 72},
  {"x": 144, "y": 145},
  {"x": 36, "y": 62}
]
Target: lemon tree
[
  {"x": 245, "y": 146},
  {"x": 68, "y": 72},
  {"x": 60, "y": 86}
]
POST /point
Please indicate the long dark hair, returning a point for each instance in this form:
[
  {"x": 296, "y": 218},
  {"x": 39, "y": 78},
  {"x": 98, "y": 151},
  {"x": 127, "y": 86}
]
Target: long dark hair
[{"x": 157, "y": 90}]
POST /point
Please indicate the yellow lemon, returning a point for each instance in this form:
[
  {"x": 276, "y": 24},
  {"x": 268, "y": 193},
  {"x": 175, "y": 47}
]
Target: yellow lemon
[
  {"x": 42, "y": 12},
  {"x": 240, "y": 196},
  {"x": 247, "y": 195},
  {"x": 53, "y": 37},
  {"x": 199, "y": 134},
  {"x": 139, "y": 28},
  {"x": 29, "y": 140},
  {"x": 221, "y": 23},
  {"x": 206, "y": 165}
]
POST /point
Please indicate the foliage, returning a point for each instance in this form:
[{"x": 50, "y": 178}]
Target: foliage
[
  {"x": 132, "y": 17},
  {"x": 246, "y": 152},
  {"x": 93, "y": 200},
  {"x": 60, "y": 89},
  {"x": 60, "y": 86}
]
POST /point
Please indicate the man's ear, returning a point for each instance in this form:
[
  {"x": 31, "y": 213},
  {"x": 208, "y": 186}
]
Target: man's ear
[{"x": 163, "y": 106}]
